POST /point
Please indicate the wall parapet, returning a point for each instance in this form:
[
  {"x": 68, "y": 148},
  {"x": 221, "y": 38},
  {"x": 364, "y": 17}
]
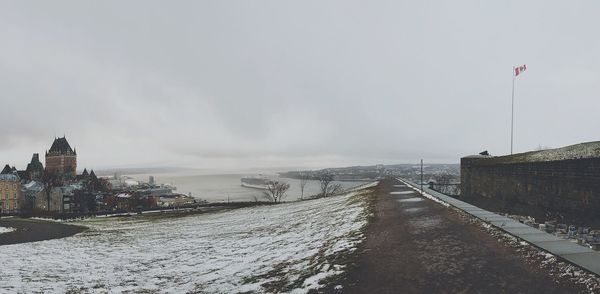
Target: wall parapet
[{"x": 567, "y": 188}]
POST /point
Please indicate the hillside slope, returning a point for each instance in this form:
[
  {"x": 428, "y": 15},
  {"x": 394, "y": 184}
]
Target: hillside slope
[{"x": 289, "y": 247}]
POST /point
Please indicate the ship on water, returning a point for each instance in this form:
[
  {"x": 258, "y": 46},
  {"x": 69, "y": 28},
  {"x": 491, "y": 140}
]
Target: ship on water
[{"x": 259, "y": 182}]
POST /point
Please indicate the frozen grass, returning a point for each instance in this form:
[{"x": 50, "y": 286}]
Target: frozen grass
[
  {"x": 6, "y": 230},
  {"x": 283, "y": 248}
]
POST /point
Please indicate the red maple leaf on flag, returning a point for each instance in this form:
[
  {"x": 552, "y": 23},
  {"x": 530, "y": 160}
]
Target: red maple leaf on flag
[{"x": 520, "y": 69}]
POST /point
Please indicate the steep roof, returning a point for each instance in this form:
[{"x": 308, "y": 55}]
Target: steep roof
[
  {"x": 7, "y": 170},
  {"x": 60, "y": 145},
  {"x": 35, "y": 163}
]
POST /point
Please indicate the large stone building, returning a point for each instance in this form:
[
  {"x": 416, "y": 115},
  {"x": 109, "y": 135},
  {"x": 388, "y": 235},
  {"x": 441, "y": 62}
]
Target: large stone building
[
  {"x": 11, "y": 196},
  {"x": 61, "y": 159}
]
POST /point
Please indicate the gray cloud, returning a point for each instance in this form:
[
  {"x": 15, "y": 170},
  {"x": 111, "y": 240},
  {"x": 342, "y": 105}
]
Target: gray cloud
[{"x": 307, "y": 83}]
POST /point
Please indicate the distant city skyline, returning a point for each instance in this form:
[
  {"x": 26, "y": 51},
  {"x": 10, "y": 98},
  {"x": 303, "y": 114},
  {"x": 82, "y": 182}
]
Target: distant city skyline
[{"x": 306, "y": 84}]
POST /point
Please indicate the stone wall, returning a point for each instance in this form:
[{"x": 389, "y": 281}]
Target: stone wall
[{"x": 568, "y": 189}]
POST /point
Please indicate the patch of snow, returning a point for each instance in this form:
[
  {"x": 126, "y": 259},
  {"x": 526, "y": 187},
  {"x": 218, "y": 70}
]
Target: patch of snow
[
  {"x": 429, "y": 196},
  {"x": 414, "y": 199},
  {"x": 312, "y": 283},
  {"x": 291, "y": 245},
  {"x": 577, "y": 151},
  {"x": 365, "y": 186},
  {"x": 4, "y": 230},
  {"x": 413, "y": 209},
  {"x": 402, "y": 192},
  {"x": 584, "y": 150}
]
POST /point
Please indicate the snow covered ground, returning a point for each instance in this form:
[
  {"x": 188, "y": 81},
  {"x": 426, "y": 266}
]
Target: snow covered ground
[
  {"x": 577, "y": 151},
  {"x": 289, "y": 247},
  {"x": 6, "y": 230}
]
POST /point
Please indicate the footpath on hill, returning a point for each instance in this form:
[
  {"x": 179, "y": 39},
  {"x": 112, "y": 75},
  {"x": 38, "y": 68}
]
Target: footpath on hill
[
  {"x": 415, "y": 245},
  {"x": 30, "y": 230}
]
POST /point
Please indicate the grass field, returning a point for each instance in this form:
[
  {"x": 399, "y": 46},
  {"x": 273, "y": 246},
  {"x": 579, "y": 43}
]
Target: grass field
[{"x": 292, "y": 247}]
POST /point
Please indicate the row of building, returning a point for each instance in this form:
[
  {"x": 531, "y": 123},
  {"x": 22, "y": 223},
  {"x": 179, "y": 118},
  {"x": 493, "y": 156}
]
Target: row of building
[{"x": 58, "y": 188}]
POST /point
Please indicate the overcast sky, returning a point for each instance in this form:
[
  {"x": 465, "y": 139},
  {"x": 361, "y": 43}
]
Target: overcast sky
[{"x": 241, "y": 84}]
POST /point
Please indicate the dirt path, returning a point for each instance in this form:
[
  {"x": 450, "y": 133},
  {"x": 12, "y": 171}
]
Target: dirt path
[
  {"x": 415, "y": 245},
  {"x": 28, "y": 230}
]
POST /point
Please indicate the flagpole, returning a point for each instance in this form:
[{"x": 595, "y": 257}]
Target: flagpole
[{"x": 512, "y": 111}]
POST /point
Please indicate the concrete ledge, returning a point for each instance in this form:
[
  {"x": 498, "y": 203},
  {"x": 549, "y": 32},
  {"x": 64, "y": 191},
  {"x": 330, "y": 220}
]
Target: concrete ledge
[
  {"x": 586, "y": 260},
  {"x": 581, "y": 256},
  {"x": 562, "y": 247},
  {"x": 538, "y": 237}
]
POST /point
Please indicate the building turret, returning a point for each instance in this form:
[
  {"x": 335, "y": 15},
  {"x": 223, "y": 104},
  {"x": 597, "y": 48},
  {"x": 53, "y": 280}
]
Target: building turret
[
  {"x": 6, "y": 170},
  {"x": 35, "y": 169},
  {"x": 61, "y": 159}
]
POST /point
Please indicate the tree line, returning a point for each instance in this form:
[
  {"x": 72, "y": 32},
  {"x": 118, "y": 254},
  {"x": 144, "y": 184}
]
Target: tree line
[{"x": 276, "y": 190}]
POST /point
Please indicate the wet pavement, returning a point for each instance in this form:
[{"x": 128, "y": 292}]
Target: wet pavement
[
  {"x": 582, "y": 256},
  {"x": 31, "y": 230},
  {"x": 415, "y": 245}
]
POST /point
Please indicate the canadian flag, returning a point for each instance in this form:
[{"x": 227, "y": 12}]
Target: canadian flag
[{"x": 520, "y": 69}]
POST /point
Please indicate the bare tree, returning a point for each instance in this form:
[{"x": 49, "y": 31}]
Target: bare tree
[
  {"x": 50, "y": 181},
  {"x": 446, "y": 183},
  {"x": 303, "y": 181},
  {"x": 325, "y": 180},
  {"x": 327, "y": 186},
  {"x": 334, "y": 189},
  {"x": 276, "y": 190},
  {"x": 443, "y": 178}
]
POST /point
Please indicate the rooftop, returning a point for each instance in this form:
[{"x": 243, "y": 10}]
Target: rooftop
[
  {"x": 8, "y": 177},
  {"x": 578, "y": 151},
  {"x": 33, "y": 186},
  {"x": 60, "y": 145}
]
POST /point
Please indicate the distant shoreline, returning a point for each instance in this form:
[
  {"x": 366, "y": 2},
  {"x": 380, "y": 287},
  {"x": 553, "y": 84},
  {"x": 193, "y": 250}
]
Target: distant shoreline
[{"x": 30, "y": 230}]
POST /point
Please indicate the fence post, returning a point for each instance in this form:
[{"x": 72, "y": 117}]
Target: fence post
[{"x": 421, "y": 177}]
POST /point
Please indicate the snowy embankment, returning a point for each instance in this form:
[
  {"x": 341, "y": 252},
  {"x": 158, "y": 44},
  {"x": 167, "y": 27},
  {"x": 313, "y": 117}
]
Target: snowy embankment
[
  {"x": 282, "y": 248},
  {"x": 6, "y": 230}
]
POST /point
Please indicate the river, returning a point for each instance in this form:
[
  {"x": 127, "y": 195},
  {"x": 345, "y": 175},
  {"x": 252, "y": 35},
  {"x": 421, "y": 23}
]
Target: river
[{"x": 227, "y": 187}]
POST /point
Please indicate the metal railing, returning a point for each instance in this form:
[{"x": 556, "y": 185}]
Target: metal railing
[{"x": 446, "y": 189}]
